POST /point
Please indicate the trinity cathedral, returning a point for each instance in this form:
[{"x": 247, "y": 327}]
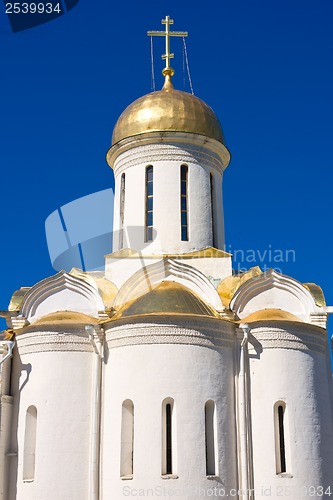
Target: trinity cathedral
[{"x": 166, "y": 374}]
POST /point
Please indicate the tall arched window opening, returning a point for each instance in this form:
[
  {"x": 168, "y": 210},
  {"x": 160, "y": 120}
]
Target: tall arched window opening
[
  {"x": 29, "y": 452},
  {"x": 210, "y": 438},
  {"x": 149, "y": 203},
  {"x": 127, "y": 438},
  {"x": 281, "y": 438},
  {"x": 184, "y": 202},
  {"x": 168, "y": 437},
  {"x": 212, "y": 207},
  {"x": 122, "y": 211}
]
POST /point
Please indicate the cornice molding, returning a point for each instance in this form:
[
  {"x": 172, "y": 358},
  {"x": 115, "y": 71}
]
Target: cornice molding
[
  {"x": 199, "y": 331},
  {"x": 33, "y": 342},
  {"x": 168, "y": 152},
  {"x": 294, "y": 336}
]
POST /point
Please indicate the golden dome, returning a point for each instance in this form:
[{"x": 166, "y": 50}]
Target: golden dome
[
  {"x": 270, "y": 315},
  {"x": 68, "y": 317},
  {"x": 168, "y": 297},
  {"x": 168, "y": 110}
]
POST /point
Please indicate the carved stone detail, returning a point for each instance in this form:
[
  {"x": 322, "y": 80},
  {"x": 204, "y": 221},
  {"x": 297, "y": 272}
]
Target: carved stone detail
[
  {"x": 131, "y": 334},
  {"x": 182, "y": 153},
  {"x": 277, "y": 338},
  {"x": 50, "y": 341}
]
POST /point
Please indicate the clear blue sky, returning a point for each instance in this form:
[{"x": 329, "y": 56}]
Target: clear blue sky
[{"x": 265, "y": 67}]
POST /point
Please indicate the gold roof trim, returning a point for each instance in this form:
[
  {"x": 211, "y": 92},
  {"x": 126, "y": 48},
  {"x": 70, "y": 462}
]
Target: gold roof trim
[
  {"x": 17, "y": 298},
  {"x": 229, "y": 286},
  {"x": 167, "y": 298},
  {"x": 209, "y": 252},
  {"x": 9, "y": 334},
  {"x": 317, "y": 293},
  {"x": 124, "y": 253},
  {"x": 270, "y": 315}
]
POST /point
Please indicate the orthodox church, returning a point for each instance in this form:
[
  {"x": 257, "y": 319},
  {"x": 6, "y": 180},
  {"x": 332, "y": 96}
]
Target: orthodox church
[{"x": 166, "y": 374}]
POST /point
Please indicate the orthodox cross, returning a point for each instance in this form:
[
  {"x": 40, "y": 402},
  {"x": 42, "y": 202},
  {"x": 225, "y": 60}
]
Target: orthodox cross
[{"x": 167, "y": 33}]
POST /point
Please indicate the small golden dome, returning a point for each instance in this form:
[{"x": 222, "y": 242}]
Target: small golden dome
[
  {"x": 168, "y": 110},
  {"x": 68, "y": 317},
  {"x": 167, "y": 298},
  {"x": 270, "y": 315}
]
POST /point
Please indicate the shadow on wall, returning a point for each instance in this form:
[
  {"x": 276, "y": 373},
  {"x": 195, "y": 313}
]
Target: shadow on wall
[{"x": 20, "y": 374}]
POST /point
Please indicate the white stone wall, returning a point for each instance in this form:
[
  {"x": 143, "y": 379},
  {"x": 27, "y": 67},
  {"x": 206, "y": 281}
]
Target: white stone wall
[
  {"x": 190, "y": 363},
  {"x": 166, "y": 156},
  {"x": 289, "y": 364},
  {"x": 191, "y": 360},
  {"x": 52, "y": 371}
]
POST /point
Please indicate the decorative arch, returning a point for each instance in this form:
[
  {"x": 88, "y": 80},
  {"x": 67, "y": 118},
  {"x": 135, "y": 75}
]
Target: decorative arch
[
  {"x": 272, "y": 290},
  {"x": 61, "y": 292},
  {"x": 145, "y": 279}
]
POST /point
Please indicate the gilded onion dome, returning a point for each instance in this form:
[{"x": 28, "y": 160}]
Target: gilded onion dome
[{"x": 168, "y": 110}]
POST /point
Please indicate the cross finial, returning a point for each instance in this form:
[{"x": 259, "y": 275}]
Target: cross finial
[{"x": 167, "y": 33}]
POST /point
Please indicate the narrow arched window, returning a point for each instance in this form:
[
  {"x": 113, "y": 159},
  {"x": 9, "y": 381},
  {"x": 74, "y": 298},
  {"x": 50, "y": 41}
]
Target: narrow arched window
[
  {"x": 210, "y": 438},
  {"x": 184, "y": 202},
  {"x": 168, "y": 432},
  {"x": 29, "y": 452},
  {"x": 212, "y": 207},
  {"x": 122, "y": 211},
  {"x": 149, "y": 203},
  {"x": 281, "y": 435},
  {"x": 127, "y": 438}
]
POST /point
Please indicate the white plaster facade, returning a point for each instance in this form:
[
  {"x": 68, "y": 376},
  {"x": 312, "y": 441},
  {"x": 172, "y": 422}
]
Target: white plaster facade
[
  {"x": 147, "y": 380},
  {"x": 167, "y": 152}
]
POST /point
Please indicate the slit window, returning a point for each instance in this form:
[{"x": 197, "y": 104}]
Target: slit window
[
  {"x": 212, "y": 207},
  {"x": 184, "y": 202},
  {"x": 122, "y": 211},
  {"x": 168, "y": 424},
  {"x": 210, "y": 438},
  {"x": 282, "y": 448},
  {"x": 149, "y": 203},
  {"x": 281, "y": 434},
  {"x": 168, "y": 433},
  {"x": 29, "y": 457},
  {"x": 127, "y": 438}
]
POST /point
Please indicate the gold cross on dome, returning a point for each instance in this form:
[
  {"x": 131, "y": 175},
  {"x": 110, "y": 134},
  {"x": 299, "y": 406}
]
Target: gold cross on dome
[{"x": 167, "y": 33}]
